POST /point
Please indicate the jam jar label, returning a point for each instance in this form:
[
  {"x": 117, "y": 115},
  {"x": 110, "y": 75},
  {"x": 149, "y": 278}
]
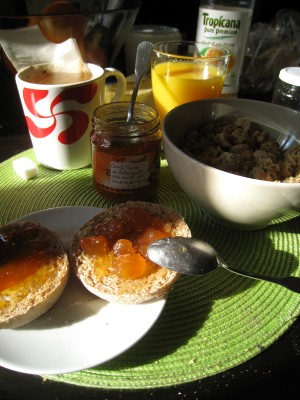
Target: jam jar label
[{"x": 126, "y": 172}]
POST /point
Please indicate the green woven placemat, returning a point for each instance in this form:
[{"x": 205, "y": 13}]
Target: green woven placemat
[{"x": 209, "y": 324}]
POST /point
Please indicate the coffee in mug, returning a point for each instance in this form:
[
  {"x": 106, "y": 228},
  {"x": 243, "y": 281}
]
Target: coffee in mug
[
  {"x": 58, "y": 108},
  {"x": 51, "y": 75}
]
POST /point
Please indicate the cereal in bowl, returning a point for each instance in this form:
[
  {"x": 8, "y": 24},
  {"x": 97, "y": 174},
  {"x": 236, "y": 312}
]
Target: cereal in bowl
[{"x": 239, "y": 146}]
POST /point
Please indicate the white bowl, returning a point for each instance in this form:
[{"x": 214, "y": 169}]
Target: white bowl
[{"x": 234, "y": 201}]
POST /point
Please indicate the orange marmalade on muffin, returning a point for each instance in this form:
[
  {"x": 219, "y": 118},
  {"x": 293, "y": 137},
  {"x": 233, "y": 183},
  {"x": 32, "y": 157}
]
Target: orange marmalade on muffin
[{"x": 120, "y": 246}]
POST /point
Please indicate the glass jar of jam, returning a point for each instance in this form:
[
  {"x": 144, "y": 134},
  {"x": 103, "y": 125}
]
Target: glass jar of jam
[{"x": 125, "y": 156}]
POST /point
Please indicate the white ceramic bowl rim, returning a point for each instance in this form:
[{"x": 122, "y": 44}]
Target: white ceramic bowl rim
[{"x": 235, "y": 103}]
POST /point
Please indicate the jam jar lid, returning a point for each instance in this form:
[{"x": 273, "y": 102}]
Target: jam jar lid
[{"x": 290, "y": 75}]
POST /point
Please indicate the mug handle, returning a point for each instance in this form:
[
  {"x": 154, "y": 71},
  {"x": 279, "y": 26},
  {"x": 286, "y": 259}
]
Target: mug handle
[{"x": 115, "y": 91}]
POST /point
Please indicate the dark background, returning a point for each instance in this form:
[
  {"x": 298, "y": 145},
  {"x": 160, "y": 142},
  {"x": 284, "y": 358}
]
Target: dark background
[
  {"x": 273, "y": 374},
  {"x": 182, "y": 14}
]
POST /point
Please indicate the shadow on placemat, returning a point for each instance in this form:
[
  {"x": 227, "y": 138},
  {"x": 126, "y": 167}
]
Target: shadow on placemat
[{"x": 191, "y": 302}]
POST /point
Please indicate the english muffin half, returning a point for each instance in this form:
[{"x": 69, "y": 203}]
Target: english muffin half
[
  {"x": 109, "y": 252},
  {"x": 34, "y": 271}
]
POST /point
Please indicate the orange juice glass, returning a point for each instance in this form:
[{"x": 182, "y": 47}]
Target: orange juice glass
[{"x": 186, "y": 71}]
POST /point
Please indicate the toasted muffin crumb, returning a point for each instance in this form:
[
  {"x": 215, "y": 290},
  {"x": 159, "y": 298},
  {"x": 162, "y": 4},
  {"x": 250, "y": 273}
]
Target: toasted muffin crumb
[
  {"x": 35, "y": 270},
  {"x": 109, "y": 285}
]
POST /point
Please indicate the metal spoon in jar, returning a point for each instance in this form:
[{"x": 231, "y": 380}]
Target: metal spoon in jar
[
  {"x": 142, "y": 61},
  {"x": 192, "y": 256}
]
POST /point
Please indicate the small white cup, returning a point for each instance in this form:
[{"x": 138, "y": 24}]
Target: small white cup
[{"x": 59, "y": 116}]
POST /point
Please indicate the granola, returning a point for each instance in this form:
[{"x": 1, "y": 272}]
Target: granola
[{"x": 239, "y": 146}]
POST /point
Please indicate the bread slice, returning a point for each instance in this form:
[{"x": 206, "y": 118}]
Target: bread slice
[
  {"x": 137, "y": 221},
  {"x": 34, "y": 271}
]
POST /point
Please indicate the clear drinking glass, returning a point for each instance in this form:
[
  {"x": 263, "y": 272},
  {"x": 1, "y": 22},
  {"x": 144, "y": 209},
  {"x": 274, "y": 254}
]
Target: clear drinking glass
[{"x": 185, "y": 71}]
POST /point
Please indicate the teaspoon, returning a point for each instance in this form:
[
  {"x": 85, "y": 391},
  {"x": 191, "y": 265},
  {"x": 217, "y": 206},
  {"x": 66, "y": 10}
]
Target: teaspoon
[
  {"x": 142, "y": 61},
  {"x": 192, "y": 256}
]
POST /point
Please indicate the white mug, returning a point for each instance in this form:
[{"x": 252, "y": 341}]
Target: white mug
[{"x": 59, "y": 115}]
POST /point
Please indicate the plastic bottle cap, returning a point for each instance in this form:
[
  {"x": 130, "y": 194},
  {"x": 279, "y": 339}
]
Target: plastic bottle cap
[{"x": 290, "y": 75}]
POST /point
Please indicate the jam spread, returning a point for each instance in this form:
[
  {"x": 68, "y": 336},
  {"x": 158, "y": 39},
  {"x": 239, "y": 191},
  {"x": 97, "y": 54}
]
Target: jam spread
[
  {"x": 20, "y": 267},
  {"x": 120, "y": 245},
  {"x": 23, "y": 255}
]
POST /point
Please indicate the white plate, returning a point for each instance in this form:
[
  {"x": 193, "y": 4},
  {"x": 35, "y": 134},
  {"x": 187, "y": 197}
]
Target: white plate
[{"x": 81, "y": 330}]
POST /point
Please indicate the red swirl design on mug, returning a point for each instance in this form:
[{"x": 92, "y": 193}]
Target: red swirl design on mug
[{"x": 80, "y": 120}]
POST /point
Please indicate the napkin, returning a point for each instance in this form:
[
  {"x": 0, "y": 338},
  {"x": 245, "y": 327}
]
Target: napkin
[{"x": 27, "y": 46}]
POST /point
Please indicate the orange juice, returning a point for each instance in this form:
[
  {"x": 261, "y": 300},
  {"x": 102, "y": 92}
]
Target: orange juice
[{"x": 175, "y": 83}]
